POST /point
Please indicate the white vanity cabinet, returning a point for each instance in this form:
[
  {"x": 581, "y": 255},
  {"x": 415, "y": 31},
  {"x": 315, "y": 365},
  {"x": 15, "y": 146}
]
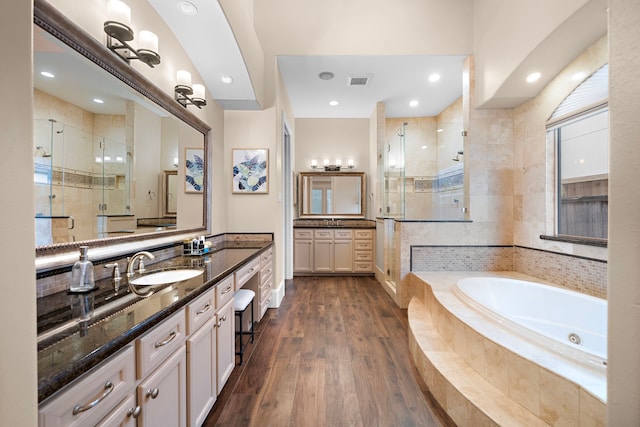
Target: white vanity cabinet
[
  {"x": 226, "y": 357},
  {"x": 333, "y": 251},
  {"x": 303, "y": 250},
  {"x": 94, "y": 397},
  {"x": 162, "y": 367},
  {"x": 266, "y": 281},
  {"x": 202, "y": 370},
  {"x": 162, "y": 396}
]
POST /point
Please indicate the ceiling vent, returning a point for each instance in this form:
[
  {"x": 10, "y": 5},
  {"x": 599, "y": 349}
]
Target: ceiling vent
[{"x": 358, "y": 80}]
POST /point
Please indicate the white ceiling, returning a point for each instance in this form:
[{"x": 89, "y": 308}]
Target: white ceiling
[{"x": 394, "y": 80}]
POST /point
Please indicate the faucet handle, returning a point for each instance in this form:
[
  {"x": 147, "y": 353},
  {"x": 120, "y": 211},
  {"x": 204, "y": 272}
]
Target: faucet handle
[
  {"x": 141, "y": 268},
  {"x": 116, "y": 270}
]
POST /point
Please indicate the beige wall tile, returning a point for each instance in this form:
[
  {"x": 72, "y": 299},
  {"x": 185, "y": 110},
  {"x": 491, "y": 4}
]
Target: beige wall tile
[{"x": 559, "y": 400}]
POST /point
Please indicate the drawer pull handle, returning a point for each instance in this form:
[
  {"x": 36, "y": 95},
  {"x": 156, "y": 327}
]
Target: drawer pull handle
[
  {"x": 226, "y": 291},
  {"x": 153, "y": 393},
  {"x": 222, "y": 319},
  {"x": 108, "y": 388},
  {"x": 204, "y": 309},
  {"x": 134, "y": 412},
  {"x": 172, "y": 336}
]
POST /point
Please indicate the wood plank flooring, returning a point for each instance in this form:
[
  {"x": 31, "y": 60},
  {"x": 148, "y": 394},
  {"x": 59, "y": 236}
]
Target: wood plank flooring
[{"x": 334, "y": 354}]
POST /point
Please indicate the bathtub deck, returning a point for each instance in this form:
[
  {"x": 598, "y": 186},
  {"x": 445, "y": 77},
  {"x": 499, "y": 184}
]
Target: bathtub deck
[
  {"x": 476, "y": 368},
  {"x": 465, "y": 395}
]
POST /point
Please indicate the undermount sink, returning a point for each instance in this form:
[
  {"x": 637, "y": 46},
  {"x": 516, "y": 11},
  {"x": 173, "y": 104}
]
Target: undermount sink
[{"x": 164, "y": 277}]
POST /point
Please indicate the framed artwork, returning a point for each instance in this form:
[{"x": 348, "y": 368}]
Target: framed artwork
[
  {"x": 250, "y": 171},
  {"x": 194, "y": 170}
]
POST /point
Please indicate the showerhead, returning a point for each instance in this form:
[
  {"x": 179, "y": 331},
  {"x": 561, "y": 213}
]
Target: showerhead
[{"x": 43, "y": 152}]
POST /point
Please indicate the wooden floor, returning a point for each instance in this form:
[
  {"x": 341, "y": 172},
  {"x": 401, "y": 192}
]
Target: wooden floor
[{"x": 334, "y": 354}]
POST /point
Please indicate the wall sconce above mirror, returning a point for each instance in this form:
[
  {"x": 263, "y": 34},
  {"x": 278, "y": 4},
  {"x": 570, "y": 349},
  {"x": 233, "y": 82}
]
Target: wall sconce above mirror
[
  {"x": 186, "y": 94},
  {"x": 119, "y": 33},
  {"x": 335, "y": 167}
]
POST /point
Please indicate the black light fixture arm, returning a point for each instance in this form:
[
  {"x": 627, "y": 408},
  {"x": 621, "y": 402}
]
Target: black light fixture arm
[
  {"x": 184, "y": 96},
  {"x": 118, "y": 35}
]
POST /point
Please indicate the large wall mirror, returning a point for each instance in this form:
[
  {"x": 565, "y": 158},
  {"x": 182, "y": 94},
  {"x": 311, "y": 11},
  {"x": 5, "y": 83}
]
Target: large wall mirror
[
  {"x": 108, "y": 145},
  {"x": 332, "y": 194}
]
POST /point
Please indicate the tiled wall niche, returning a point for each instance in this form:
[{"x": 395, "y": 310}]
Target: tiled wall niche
[{"x": 581, "y": 274}]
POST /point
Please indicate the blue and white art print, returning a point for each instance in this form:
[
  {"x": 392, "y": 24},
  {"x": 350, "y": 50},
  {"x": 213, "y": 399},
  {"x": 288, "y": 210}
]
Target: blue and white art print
[
  {"x": 251, "y": 171},
  {"x": 194, "y": 170}
]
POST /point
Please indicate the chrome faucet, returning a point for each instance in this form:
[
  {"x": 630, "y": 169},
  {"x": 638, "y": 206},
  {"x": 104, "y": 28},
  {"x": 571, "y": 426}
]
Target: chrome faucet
[{"x": 138, "y": 257}]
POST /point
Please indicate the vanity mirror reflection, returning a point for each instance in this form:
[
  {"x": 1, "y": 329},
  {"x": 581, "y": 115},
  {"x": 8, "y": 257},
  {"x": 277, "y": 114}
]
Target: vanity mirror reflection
[
  {"x": 332, "y": 194},
  {"x": 99, "y": 168}
]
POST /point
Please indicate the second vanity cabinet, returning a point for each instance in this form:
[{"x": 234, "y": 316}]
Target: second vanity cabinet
[{"x": 333, "y": 251}]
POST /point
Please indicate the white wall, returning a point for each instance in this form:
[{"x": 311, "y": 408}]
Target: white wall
[
  {"x": 624, "y": 215},
  {"x": 146, "y": 189},
  {"x": 18, "y": 367}
]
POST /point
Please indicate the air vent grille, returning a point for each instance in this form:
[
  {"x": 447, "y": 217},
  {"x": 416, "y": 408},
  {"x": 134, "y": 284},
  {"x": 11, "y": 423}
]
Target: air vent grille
[{"x": 359, "y": 80}]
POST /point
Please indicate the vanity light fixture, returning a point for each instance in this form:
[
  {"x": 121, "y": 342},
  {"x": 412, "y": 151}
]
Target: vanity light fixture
[
  {"x": 185, "y": 93},
  {"x": 351, "y": 164},
  {"x": 314, "y": 164},
  {"x": 119, "y": 33},
  {"x": 175, "y": 162}
]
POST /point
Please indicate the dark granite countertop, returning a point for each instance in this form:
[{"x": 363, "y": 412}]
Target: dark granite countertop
[
  {"x": 336, "y": 223},
  {"x": 67, "y": 352}
]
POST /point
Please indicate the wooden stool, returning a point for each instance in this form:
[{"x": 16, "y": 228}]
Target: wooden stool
[{"x": 242, "y": 299}]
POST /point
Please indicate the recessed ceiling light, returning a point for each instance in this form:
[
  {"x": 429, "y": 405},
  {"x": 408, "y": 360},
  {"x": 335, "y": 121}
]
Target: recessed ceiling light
[
  {"x": 98, "y": 101},
  {"x": 434, "y": 77},
  {"x": 226, "y": 79},
  {"x": 187, "y": 8},
  {"x": 424, "y": 147},
  {"x": 579, "y": 76},
  {"x": 326, "y": 75},
  {"x": 333, "y": 103},
  {"x": 533, "y": 77},
  {"x": 47, "y": 74},
  {"x": 414, "y": 103},
  {"x": 439, "y": 130}
]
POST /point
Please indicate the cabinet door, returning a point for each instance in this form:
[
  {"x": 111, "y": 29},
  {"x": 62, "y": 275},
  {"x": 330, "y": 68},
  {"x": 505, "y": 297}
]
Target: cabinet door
[
  {"x": 201, "y": 373},
  {"x": 226, "y": 344},
  {"x": 303, "y": 256},
  {"x": 162, "y": 396},
  {"x": 323, "y": 256},
  {"x": 343, "y": 256}
]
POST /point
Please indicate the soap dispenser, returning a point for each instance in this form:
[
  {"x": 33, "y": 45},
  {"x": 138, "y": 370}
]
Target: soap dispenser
[{"x": 82, "y": 273}]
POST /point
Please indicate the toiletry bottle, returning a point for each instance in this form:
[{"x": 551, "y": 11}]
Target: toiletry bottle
[{"x": 82, "y": 273}]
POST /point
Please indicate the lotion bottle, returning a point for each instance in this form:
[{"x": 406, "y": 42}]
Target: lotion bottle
[{"x": 82, "y": 279}]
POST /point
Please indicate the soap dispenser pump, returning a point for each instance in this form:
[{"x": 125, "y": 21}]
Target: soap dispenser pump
[{"x": 82, "y": 279}]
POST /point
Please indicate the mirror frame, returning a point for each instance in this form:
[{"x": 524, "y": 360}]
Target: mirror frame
[
  {"x": 363, "y": 206},
  {"x": 59, "y": 26}
]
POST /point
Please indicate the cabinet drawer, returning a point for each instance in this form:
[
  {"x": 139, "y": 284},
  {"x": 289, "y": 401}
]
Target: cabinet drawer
[
  {"x": 343, "y": 234},
  {"x": 302, "y": 234},
  {"x": 266, "y": 257},
  {"x": 124, "y": 415},
  {"x": 200, "y": 310},
  {"x": 363, "y": 245},
  {"x": 363, "y": 256},
  {"x": 265, "y": 289},
  {"x": 244, "y": 274},
  {"x": 364, "y": 234},
  {"x": 266, "y": 273},
  {"x": 224, "y": 291},
  {"x": 323, "y": 234},
  {"x": 107, "y": 385},
  {"x": 264, "y": 304},
  {"x": 363, "y": 267},
  {"x": 155, "y": 346}
]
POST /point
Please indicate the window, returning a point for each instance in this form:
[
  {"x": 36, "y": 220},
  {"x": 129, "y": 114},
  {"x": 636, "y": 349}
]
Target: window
[{"x": 581, "y": 134}]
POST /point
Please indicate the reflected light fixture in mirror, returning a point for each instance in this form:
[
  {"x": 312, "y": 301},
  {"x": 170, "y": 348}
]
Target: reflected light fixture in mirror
[
  {"x": 185, "y": 93},
  {"x": 119, "y": 33}
]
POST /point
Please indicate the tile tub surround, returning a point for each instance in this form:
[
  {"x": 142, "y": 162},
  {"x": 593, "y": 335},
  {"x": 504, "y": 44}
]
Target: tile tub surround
[
  {"x": 72, "y": 355},
  {"x": 577, "y": 273},
  {"x": 483, "y": 374}
]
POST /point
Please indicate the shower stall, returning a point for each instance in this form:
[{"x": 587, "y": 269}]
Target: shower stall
[
  {"x": 421, "y": 176},
  {"x": 77, "y": 176}
]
